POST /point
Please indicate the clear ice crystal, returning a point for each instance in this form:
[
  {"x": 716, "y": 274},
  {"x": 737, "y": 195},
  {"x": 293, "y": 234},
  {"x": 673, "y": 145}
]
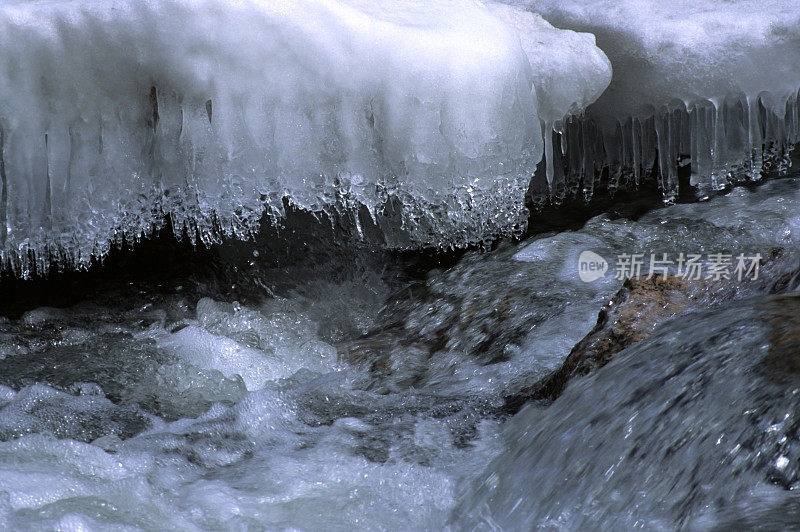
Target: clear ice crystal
[{"x": 725, "y": 142}]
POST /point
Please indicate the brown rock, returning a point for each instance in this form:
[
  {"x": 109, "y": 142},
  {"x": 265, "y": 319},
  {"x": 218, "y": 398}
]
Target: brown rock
[
  {"x": 782, "y": 362},
  {"x": 630, "y": 317}
]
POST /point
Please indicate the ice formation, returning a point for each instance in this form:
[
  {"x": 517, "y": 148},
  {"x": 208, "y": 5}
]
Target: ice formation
[
  {"x": 570, "y": 72},
  {"x": 113, "y": 114},
  {"x": 713, "y": 82}
]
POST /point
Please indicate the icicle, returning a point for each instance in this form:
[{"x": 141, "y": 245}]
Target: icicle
[
  {"x": 587, "y": 161},
  {"x": 718, "y": 166},
  {"x": 662, "y": 132},
  {"x": 724, "y": 139},
  {"x": 547, "y": 133},
  {"x": 558, "y": 184},
  {"x": 685, "y": 133},
  {"x": 626, "y": 155},
  {"x": 627, "y": 140},
  {"x": 586, "y": 151},
  {"x": 647, "y": 149},
  {"x": 754, "y": 140},
  {"x": 705, "y": 164},
  {"x": 636, "y": 143},
  {"x": 694, "y": 151},
  {"x": 673, "y": 139},
  {"x": 737, "y": 139},
  {"x": 3, "y": 192},
  {"x": 574, "y": 154}
]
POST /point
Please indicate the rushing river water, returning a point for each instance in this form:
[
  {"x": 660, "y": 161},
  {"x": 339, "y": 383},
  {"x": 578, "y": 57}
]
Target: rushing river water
[{"x": 355, "y": 391}]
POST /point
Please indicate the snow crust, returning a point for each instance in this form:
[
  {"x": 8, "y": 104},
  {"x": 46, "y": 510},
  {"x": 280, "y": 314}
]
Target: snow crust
[
  {"x": 114, "y": 113},
  {"x": 686, "y": 50}
]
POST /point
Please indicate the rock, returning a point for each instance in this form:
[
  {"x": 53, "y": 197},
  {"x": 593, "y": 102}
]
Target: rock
[
  {"x": 782, "y": 314},
  {"x": 695, "y": 428},
  {"x": 630, "y": 317}
]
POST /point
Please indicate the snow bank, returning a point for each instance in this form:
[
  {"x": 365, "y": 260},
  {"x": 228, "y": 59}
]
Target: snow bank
[
  {"x": 706, "y": 79},
  {"x": 113, "y": 113}
]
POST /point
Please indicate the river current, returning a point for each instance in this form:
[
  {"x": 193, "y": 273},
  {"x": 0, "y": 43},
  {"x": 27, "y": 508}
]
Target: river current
[{"x": 346, "y": 389}]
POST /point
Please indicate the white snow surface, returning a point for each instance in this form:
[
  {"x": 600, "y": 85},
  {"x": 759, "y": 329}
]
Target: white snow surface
[
  {"x": 114, "y": 112},
  {"x": 687, "y": 51}
]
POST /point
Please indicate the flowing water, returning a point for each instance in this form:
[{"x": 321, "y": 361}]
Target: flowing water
[{"x": 354, "y": 390}]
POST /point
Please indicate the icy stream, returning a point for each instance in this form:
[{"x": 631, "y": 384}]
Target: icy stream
[{"x": 346, "y": 395}]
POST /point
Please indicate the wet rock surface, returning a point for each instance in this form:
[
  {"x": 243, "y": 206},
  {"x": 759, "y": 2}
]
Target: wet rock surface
[
  {"x": 477, "y": 310},
  {"x": 639, "y": 307},
  {"x": 695, "y": 425},
  {"x": 633, "y": 313}
]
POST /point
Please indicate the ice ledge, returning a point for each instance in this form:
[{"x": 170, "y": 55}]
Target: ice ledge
[
  {"x": 115, "y": 114},
  {"x": 709, "y": 83}
]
